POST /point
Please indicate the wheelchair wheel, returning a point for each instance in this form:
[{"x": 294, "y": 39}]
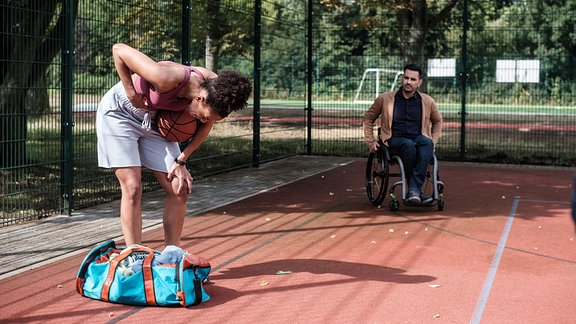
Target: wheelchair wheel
[
  {"x": 394, "y": 205},
  {"x": 377, "y": 174},
  {"x": 441, "y": 194}
]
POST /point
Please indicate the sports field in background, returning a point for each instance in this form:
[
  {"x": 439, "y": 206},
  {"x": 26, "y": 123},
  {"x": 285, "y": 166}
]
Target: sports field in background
[{"x": 504, "y": 109}]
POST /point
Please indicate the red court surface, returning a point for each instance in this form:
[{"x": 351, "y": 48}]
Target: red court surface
[{"x": 316, "y": 251}]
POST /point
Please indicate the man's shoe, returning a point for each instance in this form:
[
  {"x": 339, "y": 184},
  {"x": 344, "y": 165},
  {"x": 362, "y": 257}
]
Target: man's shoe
[
  {"x": 425, "y": 199},
  {"x": 414, "y": 196}
]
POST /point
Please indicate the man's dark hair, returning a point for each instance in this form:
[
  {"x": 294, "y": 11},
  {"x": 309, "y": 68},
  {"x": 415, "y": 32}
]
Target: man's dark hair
[
  {"x": 414, "y": 67},
  {"x": 228, "y": 92}
]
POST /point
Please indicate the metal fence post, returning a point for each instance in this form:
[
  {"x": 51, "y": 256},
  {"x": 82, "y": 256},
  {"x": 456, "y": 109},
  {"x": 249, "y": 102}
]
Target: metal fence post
[
  {"x": 256, "y": 153},
  {"x": 186, "y": 32},
  {"x": 464, "y": 80},
  {"x": 66, "y": 99},
  {"x": 310, "y": 83}
]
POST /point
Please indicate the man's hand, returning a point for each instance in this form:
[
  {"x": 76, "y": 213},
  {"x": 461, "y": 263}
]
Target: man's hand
[{"x": 374, "y": 147}]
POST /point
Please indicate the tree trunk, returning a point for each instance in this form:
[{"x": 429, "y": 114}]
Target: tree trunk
[
  {"x": 15, "y": 80},
  {"x": 212, "y": 34},
  {"x": 23, "y": 71},
  {"x": 211, "y": 57},
  {"x": 13, "y": 120},
  {"x": 414, "y": 20}
]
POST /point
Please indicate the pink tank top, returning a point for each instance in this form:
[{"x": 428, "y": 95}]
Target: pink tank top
[{"x": 166, "y": 100}]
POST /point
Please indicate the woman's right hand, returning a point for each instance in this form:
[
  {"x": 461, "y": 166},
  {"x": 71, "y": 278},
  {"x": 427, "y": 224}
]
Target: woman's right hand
[
  {"x": 138, "y": 100},
  {"x": 180, "y": 172}
]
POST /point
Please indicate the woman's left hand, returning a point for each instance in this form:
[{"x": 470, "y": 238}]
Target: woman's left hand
[{"x": 183, "y": 175}]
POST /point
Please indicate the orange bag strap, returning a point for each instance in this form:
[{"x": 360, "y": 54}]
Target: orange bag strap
[{"x": 146, "y": 273}]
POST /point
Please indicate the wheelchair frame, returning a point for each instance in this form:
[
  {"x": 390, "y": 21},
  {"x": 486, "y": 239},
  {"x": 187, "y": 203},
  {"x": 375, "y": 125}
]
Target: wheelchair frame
[{"x": 378, "y": 174}]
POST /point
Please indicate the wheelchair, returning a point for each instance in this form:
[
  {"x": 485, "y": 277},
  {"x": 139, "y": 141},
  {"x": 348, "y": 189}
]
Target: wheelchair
[{"x": 383, "y": 166}]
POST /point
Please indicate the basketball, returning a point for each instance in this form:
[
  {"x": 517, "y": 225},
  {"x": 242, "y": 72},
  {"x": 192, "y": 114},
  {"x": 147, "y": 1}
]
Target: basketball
[{"x": 176, "y": 126}]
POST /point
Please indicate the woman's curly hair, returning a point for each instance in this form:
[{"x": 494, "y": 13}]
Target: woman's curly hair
[{"x": 228, "y": 92}]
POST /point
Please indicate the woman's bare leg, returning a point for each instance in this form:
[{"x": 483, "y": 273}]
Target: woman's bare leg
[
  {"x": 174, "y": 208},
  {"x": 131, "y": 203}
]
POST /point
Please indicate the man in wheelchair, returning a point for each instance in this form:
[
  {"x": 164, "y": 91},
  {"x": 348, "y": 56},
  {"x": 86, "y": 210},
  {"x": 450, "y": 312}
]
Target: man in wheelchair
[{"x": 410, "y": 126}]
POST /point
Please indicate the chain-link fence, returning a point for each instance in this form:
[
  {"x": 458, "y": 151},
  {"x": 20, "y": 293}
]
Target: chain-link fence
[{"x": 502, "y": 73}]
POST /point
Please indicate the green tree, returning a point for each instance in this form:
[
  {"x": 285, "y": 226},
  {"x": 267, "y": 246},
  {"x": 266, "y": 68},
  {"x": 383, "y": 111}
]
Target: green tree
[
  {"x": 555, "y": 35},
  {"x": 32, "y": 35},
  {"x": 413, "y": 20},
  {"x": 153, "y": 27},
  {"x": 221, "y": 28},
  {"x": 284, "y": 31}
]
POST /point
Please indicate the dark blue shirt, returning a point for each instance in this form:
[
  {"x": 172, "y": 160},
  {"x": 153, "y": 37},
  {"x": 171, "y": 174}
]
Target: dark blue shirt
[{"x": 407, "y": 120}]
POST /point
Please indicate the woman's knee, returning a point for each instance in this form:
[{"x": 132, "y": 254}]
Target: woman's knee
[
  {"x": 173, "y": 192},
  {"x": 130, "y": 182},
  {"x": 131, "y": 189}
]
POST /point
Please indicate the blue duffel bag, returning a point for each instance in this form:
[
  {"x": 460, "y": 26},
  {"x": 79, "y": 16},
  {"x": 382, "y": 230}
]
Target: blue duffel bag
[{"x": 135, "y": 276}]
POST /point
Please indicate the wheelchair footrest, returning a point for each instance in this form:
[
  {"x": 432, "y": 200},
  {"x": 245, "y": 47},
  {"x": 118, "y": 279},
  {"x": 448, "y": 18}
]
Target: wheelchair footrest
[{"x": 420, "y": 204}]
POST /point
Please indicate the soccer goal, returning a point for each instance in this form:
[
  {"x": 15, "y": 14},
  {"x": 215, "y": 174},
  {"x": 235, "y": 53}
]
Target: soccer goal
[{"x": 371, "y": 82}]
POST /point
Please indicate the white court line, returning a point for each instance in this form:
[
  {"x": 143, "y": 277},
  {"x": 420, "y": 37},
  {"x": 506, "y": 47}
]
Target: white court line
[{"x": 483, "y": 298}]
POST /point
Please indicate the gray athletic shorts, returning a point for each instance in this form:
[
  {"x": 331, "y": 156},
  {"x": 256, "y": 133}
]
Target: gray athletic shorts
[{"x": 126, "y": 137}]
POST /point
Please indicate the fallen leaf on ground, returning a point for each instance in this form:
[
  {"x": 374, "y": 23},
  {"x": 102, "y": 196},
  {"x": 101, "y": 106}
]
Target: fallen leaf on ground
[
  {"x": 283, "y": 272},
  {"x": 264, "y": 283}
]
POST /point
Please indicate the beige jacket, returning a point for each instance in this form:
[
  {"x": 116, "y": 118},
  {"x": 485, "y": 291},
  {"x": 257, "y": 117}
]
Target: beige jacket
[{"x": 383, "y": 106}]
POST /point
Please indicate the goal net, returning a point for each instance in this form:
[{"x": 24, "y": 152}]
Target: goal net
[{"x": 374, "y": 82}]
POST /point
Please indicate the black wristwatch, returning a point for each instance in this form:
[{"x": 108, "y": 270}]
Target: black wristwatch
[{"x": 180, "y": 161}]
